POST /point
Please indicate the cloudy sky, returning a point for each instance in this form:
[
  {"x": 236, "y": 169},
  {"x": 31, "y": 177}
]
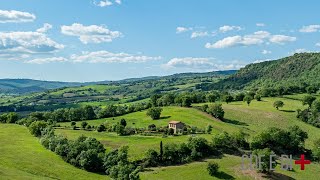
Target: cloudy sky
[{"x": 92, "y": 40}]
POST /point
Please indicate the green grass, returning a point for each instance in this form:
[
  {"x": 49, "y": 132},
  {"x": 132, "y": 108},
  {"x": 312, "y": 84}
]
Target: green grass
[
  {"x": 190, "y": 116},
  {"x": 261, "y": 115},
  {"x": 23, "y": 157}
]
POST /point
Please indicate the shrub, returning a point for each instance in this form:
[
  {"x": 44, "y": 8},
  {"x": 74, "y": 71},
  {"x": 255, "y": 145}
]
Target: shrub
[
  {"x": 213, "y": 168},
  {"x": 84, "y": 124},
  {"x": 216, "y": 111},
  {"x": 278, "y": 104},
  {"x": 36, "y": 127},
  {"x": 101, "y": 128},
  {"x": 265, "y": 158},
  {"x": 154, "y": 112}
]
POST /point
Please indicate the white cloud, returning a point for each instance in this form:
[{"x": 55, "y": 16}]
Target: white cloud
[
  {"x": 16, "y": 16},
  {"x": 90, "y": 34},
  {"x": 310, "y": 28},
  {"x": 256, "y": 38},
  {"x": 182, "y": 29},
  {"x": 45, "y": 28},
  {"x": 46, "y": 60},
  {"x": 227, "y": 28},
  {"x": 280, "y": 39},
  {"x": 266, "y": 52},
  {"x": 109, "y": 57},
  {"x": 301, "y": 50},
  {"x": 318, "y": 44},
  {"x": 197, "y": 34},
  {"x": 196, "y": 63},
  {"x": 118, "y": 1},
  {"x": 260, "y": 24},
  {"x": 261, "y": 60},
  {"x": 103, "y": 3},
  {"x": 27, "y": 42}
]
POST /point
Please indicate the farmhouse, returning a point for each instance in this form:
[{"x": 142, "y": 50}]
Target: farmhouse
[{"x": 177, "y": 126}]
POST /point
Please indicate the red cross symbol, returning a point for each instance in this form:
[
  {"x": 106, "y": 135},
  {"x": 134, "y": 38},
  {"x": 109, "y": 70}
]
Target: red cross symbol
[{"x": 302, "y": 162}]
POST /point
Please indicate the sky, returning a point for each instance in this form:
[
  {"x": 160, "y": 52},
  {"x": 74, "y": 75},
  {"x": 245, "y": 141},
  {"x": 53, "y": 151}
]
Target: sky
[{"x": 95, "y": 40}]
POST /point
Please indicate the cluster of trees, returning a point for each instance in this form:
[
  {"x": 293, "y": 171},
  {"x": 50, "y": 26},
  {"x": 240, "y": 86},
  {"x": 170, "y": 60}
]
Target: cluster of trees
[
  {"x": 11, "y": 117},
  {"x": 310, "y": 115},
  {"x": 87, "y": 153},
  {"x": 195, "y": 148}
]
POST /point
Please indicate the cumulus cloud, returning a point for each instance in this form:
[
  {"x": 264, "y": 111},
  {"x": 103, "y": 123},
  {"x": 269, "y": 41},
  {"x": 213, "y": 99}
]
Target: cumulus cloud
[
  {"x": 16, "y": 16},
  {"x": 198, "y": 34},
  {"x": 45, "y": 28},
  {"x": 109, "y": 57},
  {"x": 27, "y": 42},
  {"x": 182, "y": 29},
  {"x": 266, "y": 52},
  {"x": 106, "y": 3},
  {"x": 310, "y": 28},
  {"x": 300, "y": 50},
  {"x": 260, "y": 24},
  {"x": 280, "y": 39},
  {"x": 46, "y": 60},
  {"x": 90, "y": 34},
  {"x": 318, "y": 44},
  {"x": 227, "y": 28},
  {"x": 199, "y": 63},
  {"x": 256, "y": 38}
]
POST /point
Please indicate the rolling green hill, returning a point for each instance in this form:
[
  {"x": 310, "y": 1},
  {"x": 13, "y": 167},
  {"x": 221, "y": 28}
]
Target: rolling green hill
[
  {"x": 296, "y": 70},
  {"x": 23, "y": 157}
]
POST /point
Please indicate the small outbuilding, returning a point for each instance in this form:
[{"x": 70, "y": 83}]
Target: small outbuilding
[{"x": 177, "y": 126}]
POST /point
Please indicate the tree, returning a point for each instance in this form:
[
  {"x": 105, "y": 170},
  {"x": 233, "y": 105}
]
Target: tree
[
  {"x": 213, "y": 168},
  {"x": 186, "y": 101},
  {"x": 240, "y": 97},
  {"x": 209, "y": 129},
  {"x": 154, "y": 112},
  {"x": 216, "y": 110},
  {"x": 120, "y": 129},
  {"x": 101, "y": 128},
  {"x": 123, "y": 122},
  {"x": 84, "y": 124},
  {"x": 88, "y": 113},
  {"x": 248, "y": 99},
  {"x": 265, "y": 158},
  {"x": 73, "y": 123},
  {"x": 316, "y": 150},
  {"x": 228, "y": 98},
  {"x": 12, "y": 117},
  {"x": 278, "y": 104},
  {"x": 257, "y": 97},
  {"x": 161, "y": 151},
  {"x": 308, "y": 100},
  {"x": 37, "y": 127}
]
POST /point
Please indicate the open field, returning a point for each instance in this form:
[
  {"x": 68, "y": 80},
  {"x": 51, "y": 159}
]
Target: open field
[{"x": 23, "y": 157}]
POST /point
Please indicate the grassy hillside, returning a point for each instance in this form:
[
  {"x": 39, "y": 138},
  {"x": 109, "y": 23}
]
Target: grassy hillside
[
  {"x": 23, "y": 157},
  {"x": 293, "y": 70}
]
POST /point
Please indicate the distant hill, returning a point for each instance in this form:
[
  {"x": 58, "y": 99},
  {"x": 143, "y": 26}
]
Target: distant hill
[
  {"x": 299, "y": 69},
  {"x": 21, "y": 86}
]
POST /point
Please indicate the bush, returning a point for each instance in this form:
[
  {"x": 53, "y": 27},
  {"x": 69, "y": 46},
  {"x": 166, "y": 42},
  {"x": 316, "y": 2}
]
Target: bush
[
  {"x": 213, "y": 168},
  {"x": 265, "y": 158},
  {"x": 101, "y": 128},
  {"x": 154, "y": 112},
  {"x": 36, "y": 127},
  {"x": 278, "y": 104},
  {"x": 84, "y": 124},
  {"x": 216, "y": 111}
]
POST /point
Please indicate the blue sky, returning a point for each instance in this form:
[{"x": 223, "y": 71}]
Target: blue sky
[{"x": 86, "y": 40}]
